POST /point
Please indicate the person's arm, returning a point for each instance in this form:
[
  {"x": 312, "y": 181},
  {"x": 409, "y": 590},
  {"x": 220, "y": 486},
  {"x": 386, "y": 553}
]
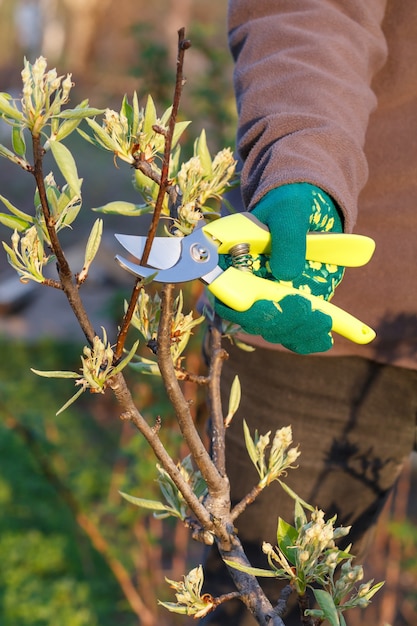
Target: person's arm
[
  {"x": 303, "y": 72},
  {"x": 302, "y": 78}
]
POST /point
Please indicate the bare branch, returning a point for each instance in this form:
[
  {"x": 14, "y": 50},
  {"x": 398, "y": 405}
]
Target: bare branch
[
  {"x": 218, "y": 504},
  {"x": 250, "y": 590},
  {"x": 180, "y": 405},
  {"x": 124, "y": 328}
]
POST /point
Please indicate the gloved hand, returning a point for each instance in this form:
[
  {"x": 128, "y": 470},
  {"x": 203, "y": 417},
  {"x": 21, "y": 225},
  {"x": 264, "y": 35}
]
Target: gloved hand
[{"x": 290, "y": 212}]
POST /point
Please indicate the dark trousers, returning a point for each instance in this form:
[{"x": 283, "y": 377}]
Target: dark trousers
[{"x": 355, "y": 422}]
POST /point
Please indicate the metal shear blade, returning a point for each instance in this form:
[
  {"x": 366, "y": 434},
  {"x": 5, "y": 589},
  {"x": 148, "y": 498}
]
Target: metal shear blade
[
  {"x": 181, "y": 259},
  {"x": 164, "y": 253}
]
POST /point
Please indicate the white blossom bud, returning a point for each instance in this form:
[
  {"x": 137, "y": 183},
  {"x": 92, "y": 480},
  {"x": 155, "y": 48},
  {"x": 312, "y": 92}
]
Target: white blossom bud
[
  {"x": 67, "y": 85},
  {"x": 267, "y": 548},
  {"x": 38, "y": 70},
  {"x": 304, "y": 556}
]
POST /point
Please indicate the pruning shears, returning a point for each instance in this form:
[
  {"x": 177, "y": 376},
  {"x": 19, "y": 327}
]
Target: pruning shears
[{"x": 181, "y": 259}]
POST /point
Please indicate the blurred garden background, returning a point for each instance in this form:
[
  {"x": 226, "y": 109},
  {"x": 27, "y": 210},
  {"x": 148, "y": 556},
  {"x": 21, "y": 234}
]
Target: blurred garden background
[{"x": 72, "y": 552}]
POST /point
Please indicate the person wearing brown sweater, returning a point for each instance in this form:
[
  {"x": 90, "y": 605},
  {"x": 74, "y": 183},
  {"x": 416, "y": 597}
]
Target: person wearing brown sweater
[{"x": 326, "y": 92}]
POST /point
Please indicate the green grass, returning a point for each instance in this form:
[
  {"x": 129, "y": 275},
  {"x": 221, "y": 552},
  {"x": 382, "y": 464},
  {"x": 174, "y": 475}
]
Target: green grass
[{"x": 48, "y": 565}]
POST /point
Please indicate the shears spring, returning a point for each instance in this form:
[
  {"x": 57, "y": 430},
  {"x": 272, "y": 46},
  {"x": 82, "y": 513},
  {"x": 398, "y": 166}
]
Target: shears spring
[{"x": 241, "y": 257}]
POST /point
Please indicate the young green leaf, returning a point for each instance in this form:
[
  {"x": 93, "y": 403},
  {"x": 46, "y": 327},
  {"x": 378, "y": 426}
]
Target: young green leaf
[
  {"x": 68, "y": 206},
  {"x": 55, "y": 374},
  {"x": 102, "y": 138},
  {"x": 146, "y": 366},
  {"x": 294, "y": 496},
  {"x": 203, "y": 153},
  {"x": 300, "y": 518},
  {"x": 13, "y": 222},
  {"x": 165, "y": 116},
  {"x": 173, "y": 607},
  {"x": 79, "y": 113},
  {"x": 52, "y": 194},
  {"x": 18, "y": 141},
  {"x": 93, "y": 242},
  {"x": 286, "y": 537},
  {"x": 325, "y": 602},
  {"x": 21, "y": 214},
  {"x": 135, "y": 114},
  {"x": 118, "y": 368},
  {"x": 66, "y": 163},
  {"x": 120, "y": 207},
  {"x": 127, "y": 111},
  {"x": 149, "y": 116},
  {"x": 250, "y": 445},
  {"x": 154, "y": 505},
  {"x": 234, "y": 400},
  {"x": 374, "y": 590},
  {"x": 15, "y": 158},
  {"x": 66, "y": 128},
  {"x": 91, "y": 139},
  {"x": 180, "y": 127},
  {"x": 255, "y": 571},
  {"x": 8, "y": 109},
  {"x": 71, "y": 401}
]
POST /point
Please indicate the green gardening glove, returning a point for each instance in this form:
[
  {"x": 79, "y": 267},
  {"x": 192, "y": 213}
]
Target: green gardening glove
[{"x": 290, "y": 212}]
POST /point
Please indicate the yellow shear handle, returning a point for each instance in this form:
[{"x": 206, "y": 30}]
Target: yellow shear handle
[
  {"x": 332, "y": 248},
  {"x": 240, "y": 290}
]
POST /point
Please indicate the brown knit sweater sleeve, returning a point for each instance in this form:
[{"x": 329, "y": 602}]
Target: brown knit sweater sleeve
[{"x": 303, "y": 70}]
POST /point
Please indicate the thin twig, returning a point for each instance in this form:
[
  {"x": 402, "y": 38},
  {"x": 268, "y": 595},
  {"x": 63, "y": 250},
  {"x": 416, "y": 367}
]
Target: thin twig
[
  {"x": 164, "y": 187},
  {"x": 183, "y": 45},
  {"x": 281, "y": 605},
  {"x": 245, "y": 502},
  {"x": 218, "y": 355},
  {"x": 198, "y": 379},
  {"x": 124, "y": 328},
  {"x": 233, "y": 595},
  {"x": 49, "y": 282},
  {"x": 146, "y": 168}
]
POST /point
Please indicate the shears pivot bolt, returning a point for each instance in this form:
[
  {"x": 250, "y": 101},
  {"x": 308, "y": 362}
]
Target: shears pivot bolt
[{"x": 199, "y": 253}]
